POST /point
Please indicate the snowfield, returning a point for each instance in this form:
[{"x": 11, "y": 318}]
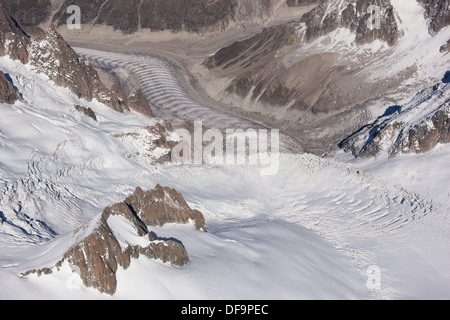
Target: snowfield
[
  {"x": 311, "y": 231},
  {"x": 315, "y": 230}
]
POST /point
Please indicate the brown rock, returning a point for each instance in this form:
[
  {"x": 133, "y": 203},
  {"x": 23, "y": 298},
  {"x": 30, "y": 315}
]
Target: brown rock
[
  {"x": 98, "y": 254},
  {"x": 329, "y": 16},
  {"x": 437, "y": 14},
  {"x": 53, "y": 56},
  {"x": 86, "y": 111},
  {"x": 8, "y": 93},
  {"x": 164, "y": 205},
  {"x": 445, "y": 47},
  {"x": 394, "y": 135}
]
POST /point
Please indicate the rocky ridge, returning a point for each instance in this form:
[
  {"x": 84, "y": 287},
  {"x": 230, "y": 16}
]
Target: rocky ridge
[
  {"x": 417, "y": 127},
  {"x": 8, "y": 93},
  {"x": 199, "y": 16},
  {"x": 120, "y": 233},
  {"x": 51, "y": 55},
  {"x": 437, "y": 13}
]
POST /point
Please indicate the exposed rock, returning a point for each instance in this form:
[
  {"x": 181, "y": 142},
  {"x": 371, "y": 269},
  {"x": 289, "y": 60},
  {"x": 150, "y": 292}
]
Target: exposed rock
[
  {"x": 137, "y": 102},
  {"x": 29, "y": 12},
  {"x": 445, "y": 48},
  {"x": 415, "y": 128},
  {"x": 51, "y": 55},
  {"x": 101, "y": 249},
  {"x": 8, "y": 93},
  {"x": 131, "y": 16},
  {"x": 86, "y": 111},
  {"x": 437, "y": 13},
  {"x": 151, "y": 144},
  {"x": 13, "y": 39},
  {"x": 164, "y": 205},
  {"x": 335, "y": 14},
  {"x": 242, "y": 53}
]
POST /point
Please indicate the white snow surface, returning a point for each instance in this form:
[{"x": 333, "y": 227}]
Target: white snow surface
[{"x": 309, "y": 232}]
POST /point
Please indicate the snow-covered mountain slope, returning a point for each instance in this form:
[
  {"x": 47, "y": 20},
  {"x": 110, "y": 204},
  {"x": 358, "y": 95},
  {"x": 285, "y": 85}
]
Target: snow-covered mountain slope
[
  {"x": 327, "y": 75},
  {"x": 318, "y": 228},
  {"x": 56, "y": 161}
]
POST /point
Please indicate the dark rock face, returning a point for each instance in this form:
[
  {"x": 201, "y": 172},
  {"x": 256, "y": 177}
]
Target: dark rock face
[
  {"x": 340, "y": 14},
  {"x": 86, "y": 111},
  {"x": 137, "y": 102},
  {"x": 8, "y": 93},
  {"x": 51, "y": 55},
  {"x": 437, "y": 12},
  {"x": 426, "y": 136},
  {"x": 100, "y": 251},
  {"x": 156, "y": 15},
  {"x": 29, "y": 12},
  {"x": 13, "y": 40},
  {"x": 254, "y": 48},
  {"x": 445, "y": 48},
  {"x": 130, "y": 16},
  {"x": 416, "y": 128},
  {"x": 298, "y": 3}
]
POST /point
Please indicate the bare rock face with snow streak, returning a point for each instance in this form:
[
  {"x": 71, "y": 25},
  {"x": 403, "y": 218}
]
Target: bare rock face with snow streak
[
  {"x": 437, "y": 13},
  {"x": 164, "y": 205},
  {"x": 356, "y": 16},
  {"x": 416, "y": 127},
  {"x": 52, "y": 55},
  {"x": 13, "y": 40},
  {"x": 88, "y": 112},
  {"x": 137, "y": 102},
  {"x": 111, "y": 240},
  {"x": 152, "y": 144},
  {"x": 8, "y": 93}
]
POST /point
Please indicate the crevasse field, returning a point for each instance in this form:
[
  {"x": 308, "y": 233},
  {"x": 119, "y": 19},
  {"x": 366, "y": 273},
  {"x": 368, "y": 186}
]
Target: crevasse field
[{"x": 311, "y": 231}]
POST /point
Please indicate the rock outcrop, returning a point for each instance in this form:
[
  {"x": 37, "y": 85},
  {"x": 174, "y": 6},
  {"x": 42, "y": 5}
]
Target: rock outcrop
[
  {"x": 137, "y": 102},
  {"x": 29, "y": 12},
  {"x": 164, "y": 205},
  {"x": 416, "y": 127},
  {"x": 86, "y": 111},
  {"x": 8, "y": 93},
  {"x": 50, "y": 54},
  {"x": 151, "y": 145},
  {"x": 111, "y": 240},
  {"x": 353, "y": 15},
  {"x": 13, "y": 39},
  {"x": 198, "y": 16},
  {"x": 437, "y": 13}
]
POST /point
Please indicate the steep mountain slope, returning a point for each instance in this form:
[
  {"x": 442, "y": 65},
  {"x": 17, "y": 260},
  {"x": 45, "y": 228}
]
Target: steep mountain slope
[
  {"x": 110, "y": 241},
  {"x": 51, "y": 55},
  {"x": 416, "y": 127},
  {"x": 155, "y": 15},
  {"x": 8, "y": 93},
  {"x": 47, "y": 146},
  {"x": 313, "y": 230},
  {"x": 320, "y": 79}
]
